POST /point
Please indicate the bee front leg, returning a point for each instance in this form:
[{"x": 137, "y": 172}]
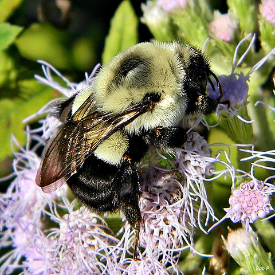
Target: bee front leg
[
  {"x": 173, "y": 137},
  {"x": 128, "y": 182},
  {"x": 206, "y": 105}
]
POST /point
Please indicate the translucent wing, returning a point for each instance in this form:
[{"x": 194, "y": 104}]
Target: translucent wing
[{"x": 77, "y": 138}]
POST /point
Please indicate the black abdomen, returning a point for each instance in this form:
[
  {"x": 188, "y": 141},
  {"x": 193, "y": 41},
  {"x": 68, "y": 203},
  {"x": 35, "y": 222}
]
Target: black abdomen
[{"x": 93, "y": 185}]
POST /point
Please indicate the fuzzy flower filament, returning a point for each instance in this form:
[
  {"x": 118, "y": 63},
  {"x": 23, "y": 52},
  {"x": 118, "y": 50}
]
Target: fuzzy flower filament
[
  {"x": 22, "y": 212},
  {"x": 172, "y": 5},
  {"x": 85, "y": 243},
  {"x": 174, "y": 201}
]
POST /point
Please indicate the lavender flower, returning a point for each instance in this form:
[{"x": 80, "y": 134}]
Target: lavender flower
[
  {"x": 267, "y": 9},
  {"x": 235, "y": 85},
  {"x": 84, "y": 243},
  {"x": 174, "y": 201},
  {"x": 157, "y": 20},
  {"x": 169, "y": 6},
  {"x": 53, "y": 234},
  {"x": 249, "y": 202},
  {"x": 223, "y": 27},
  {"x": 22, "y": 212}
]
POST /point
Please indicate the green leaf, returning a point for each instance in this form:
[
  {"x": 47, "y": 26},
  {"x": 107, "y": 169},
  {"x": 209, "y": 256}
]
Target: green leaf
[
  {"x": 8, "y": 34},
  {"x": 42, "y": 41},
  {"x": 8, "y": 71},
  {"x": 7, "y": 7},
  {"x": 267, "y": 33},
  {"x": 245, "y": 12},
  {"x": 123, "y": 31},
  {"x": 237, "y": 130},
  {"x": 192, "y": 27},
  {"x": 31, "y": 96}
]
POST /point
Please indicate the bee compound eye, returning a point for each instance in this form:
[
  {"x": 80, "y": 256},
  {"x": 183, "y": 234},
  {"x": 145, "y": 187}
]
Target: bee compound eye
[{"x": 152, "y": 97}]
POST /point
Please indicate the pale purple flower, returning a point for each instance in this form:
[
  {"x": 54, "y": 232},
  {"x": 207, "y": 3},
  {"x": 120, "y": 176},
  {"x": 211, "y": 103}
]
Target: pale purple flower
[
  {"x": 85, "y": 244},
  {"x": 145, "y": 266},
  {"x": 174, "y": 201},
  {"x": 165, "y": 229},
  {"x": 235, "y": 85},
  {"x": 153, "y": 15},
  {"x": 40, "y": 255},
  {"x": 173, "y": 205},
  {"x": 172, "y": 5},
  {"x": 267, "y": 9},
  {"x": 22, "y": 210},
  {"x": 223, "y": 26},
  {"x": 250, "y": 202}
]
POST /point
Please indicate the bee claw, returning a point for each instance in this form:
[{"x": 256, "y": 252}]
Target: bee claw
[{"x": 136, "y": 244}]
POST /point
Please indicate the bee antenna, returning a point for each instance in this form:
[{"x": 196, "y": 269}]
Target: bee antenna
[
  {"x": 219, "y": 86},
  {"x": 211, "y": 83}
]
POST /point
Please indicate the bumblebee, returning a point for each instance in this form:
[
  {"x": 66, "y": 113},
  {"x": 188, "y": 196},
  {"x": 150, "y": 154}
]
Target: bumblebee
[{"x": 135, "y": 101}]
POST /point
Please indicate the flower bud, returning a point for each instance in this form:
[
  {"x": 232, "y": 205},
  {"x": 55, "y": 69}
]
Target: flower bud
[{"x": 223, "y": 27}]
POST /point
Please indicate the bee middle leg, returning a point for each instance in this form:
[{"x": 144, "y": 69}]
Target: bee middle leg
[{"x": 172, "y": 137}]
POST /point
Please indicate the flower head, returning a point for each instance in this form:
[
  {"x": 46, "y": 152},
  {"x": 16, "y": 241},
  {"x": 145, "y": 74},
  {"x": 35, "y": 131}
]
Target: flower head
[
  {"x": 223, "y": 27},
  {"x": 267, "y": 9},
  {"x": 85, "y": 243},
  {"x": 157, "y": 20},
  {"x": 22, "y": 211},
  {"x": 235, "y": 85},
  {"x": 174, "y": 201},
  {"x": 171, "y": 5},
  {"x": 250, "y": 202}
]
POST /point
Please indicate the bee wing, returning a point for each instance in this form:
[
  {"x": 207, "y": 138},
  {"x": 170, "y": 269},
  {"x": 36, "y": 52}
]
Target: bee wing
[
  {"x": 49, "y": 175},
  {"x": 75, "y": 141}
]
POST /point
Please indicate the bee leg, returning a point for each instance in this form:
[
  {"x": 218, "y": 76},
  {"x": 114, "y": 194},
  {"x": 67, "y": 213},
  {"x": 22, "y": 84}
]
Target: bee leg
[
  {"x": 137, "y": 231},
  {"x": 206, "y": 105},
  {"x": 173, "y": 137},
  {"x": 127, "y": 181}
]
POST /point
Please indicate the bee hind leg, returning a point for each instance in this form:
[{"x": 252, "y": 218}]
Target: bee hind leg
[{"x": 128, "y": 182}]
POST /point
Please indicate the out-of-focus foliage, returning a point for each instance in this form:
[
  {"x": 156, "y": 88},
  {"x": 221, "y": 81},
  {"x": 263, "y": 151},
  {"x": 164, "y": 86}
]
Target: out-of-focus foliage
[
  {"x": 123, "y": 32},
  {"x": 8, "y": 34},
  {"x": 7, "y": 7}
]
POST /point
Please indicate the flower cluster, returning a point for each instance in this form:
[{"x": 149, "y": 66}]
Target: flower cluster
[{"x": 174, "y": 201}]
